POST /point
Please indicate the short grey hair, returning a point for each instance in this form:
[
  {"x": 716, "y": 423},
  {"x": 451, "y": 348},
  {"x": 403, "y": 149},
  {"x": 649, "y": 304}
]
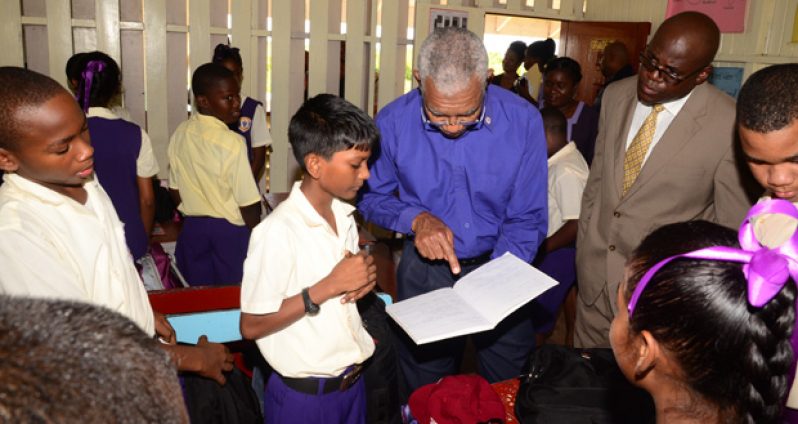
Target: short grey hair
[{"x": 451, "y": 57}]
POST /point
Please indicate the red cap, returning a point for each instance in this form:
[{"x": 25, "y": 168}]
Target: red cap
[{"x": 457, "y": 399}]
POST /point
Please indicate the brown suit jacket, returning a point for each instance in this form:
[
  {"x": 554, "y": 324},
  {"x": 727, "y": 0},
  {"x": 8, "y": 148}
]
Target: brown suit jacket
[{"x": 692, "y": 173}]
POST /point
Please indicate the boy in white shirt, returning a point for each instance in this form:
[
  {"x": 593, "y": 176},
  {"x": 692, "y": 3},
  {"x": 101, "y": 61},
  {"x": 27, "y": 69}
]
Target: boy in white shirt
[
  {"x": 60, "y": 237},
  {"x": 568, "y": 173},
  {"x": 303, "y": 273}
]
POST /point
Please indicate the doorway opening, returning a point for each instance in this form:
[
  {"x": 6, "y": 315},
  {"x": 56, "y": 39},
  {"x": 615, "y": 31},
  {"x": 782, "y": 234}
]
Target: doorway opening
[{"x": 501, "y": 30}]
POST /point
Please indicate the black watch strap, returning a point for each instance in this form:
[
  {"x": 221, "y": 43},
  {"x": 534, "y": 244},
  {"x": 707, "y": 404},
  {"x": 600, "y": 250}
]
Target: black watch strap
[{"x": 310, "y": 307}]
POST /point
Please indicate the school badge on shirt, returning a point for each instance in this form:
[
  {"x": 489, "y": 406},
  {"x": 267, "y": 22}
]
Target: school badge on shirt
[{"x": 244, "y": 124}]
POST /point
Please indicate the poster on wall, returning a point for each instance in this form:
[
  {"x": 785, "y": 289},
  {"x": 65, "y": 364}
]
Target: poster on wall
[
  {"x": 727, "y": 79},
  {"x": 442, "y": 18},
  {"x": 728, "y": 14}
]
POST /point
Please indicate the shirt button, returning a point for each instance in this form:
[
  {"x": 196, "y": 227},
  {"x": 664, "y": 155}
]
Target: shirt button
[
  {"x": 467, "y": 225},
  {"x": 612, "y": 248},
  {"x": 616, "y": 214}
]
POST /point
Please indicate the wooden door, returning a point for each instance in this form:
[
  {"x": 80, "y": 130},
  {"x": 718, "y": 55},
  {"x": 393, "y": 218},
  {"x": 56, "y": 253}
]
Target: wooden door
[{"x": 585, "y": 42}]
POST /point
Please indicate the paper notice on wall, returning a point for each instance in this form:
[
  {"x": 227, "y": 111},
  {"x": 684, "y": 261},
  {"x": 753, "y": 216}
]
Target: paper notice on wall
[{"x": 728, "y": 14}]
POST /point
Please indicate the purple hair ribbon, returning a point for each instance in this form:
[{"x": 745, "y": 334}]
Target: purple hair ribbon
[
  {"x": 91, "y": 68},
  {"x": 767, "y": 270}
]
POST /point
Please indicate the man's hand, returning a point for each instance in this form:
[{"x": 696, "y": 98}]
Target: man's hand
[
  {"x": 163, "y": 329},
  {"x": 434, "y": 240},
  {"x": 214, "y": 358}
]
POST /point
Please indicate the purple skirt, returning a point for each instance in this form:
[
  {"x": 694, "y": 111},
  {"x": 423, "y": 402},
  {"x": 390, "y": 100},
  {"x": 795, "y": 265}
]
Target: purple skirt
[
  {"x": 561, "y": 266},
  {"x": 211, "y": 251}
]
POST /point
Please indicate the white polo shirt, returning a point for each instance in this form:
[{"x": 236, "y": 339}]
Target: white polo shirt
[
  {"x": 568, "y": 173},
  {"x": 261, "y": 137},
  {"x": 54, "y": 247},
  {"x": 294, "y": 248}
]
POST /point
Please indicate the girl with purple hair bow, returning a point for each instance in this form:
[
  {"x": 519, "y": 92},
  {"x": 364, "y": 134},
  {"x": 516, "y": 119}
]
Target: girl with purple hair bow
[
  {"x": 705, "y": 318},
  {"x": 124, "y": 162}
]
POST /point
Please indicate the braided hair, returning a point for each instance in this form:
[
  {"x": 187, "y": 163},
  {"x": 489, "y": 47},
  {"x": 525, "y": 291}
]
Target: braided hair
[
  {"x": 732, "y": 354},
  {"x": 99, "y": 80}
]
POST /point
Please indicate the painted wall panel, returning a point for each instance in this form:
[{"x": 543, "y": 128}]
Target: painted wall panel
[
  {"x": 132, "y": 48},
  {"x": 158, "y": 46},
  {"x": 11, "y": 34}
]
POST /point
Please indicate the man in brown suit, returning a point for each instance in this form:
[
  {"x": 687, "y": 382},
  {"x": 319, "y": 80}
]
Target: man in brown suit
[{"x": 664, "y": 154}]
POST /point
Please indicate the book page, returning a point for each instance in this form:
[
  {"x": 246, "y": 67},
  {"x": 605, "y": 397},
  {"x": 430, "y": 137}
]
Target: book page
[
  {"x": 501, "y": 286},
  {"x": 437, "y": 315}
]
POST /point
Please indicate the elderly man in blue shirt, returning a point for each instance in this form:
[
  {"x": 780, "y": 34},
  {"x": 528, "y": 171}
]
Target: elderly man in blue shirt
[{"x": 462, "y": 172}]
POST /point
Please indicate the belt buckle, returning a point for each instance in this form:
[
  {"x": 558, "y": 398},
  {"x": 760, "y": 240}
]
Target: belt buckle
[{"x": 351, "y": 377}]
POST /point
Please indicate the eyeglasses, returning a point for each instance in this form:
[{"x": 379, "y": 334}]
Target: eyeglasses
[
  {"x": 670, "y": 77},
  {"x": 447, "y": 121}
]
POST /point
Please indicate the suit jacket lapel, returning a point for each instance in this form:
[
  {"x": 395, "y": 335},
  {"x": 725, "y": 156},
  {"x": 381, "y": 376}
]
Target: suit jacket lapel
[
  {"x": 628, "y": 105},
  {"x": 676, "y": 136}
]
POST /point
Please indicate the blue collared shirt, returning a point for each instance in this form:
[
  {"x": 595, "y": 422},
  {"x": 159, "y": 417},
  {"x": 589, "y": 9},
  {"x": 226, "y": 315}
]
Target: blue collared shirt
[{"x": 488, "y": 185}]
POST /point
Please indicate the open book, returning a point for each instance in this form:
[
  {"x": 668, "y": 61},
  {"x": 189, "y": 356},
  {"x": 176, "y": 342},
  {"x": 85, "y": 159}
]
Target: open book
[{"x": 478, "y": 302}]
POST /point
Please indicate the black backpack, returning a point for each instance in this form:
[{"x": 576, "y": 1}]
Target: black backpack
[
  {"x": 381, "y": 372},
  {"x": 209, "y": 403},
  {"x": 579, "y": 386}
]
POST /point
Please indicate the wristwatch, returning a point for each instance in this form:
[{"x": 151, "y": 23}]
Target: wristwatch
[{"x": 310, "y": 307}]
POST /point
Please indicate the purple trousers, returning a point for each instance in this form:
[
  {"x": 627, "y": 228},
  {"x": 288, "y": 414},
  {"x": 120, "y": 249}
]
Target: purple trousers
[
  {"x": 211, "y": 251},
  {"x": 561, "y": 266},
  {"x": 284, "y": 405}
]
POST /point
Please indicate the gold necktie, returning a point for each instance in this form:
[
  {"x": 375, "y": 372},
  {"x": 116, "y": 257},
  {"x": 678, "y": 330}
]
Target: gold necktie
[{"x": 633, "y": 161}]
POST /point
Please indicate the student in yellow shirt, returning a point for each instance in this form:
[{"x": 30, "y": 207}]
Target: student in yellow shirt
[{"x": 211, "y": 181}]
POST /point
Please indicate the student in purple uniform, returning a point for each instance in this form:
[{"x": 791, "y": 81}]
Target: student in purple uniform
[
  {"x": 123, "y": 157},
  {"x": 304, "y": 273},
  {"x": 252, "y": 122},
  {"x": 211, "y": 181},
  {"x": 561, "y": 79}
]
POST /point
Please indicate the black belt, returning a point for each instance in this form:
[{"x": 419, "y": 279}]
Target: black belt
[
  {"x": 310, "y": 385},
  {"x": 476, "y": 260}
]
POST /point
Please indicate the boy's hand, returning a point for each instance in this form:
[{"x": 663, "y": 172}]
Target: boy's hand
[
  {"x": 434, "y": 240},
  {"x": 214, "y": 358},
  {"x": 353, "y": 273},
  {"x": 163, "y": 329},
  {"x": 355, "y": 295}
]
